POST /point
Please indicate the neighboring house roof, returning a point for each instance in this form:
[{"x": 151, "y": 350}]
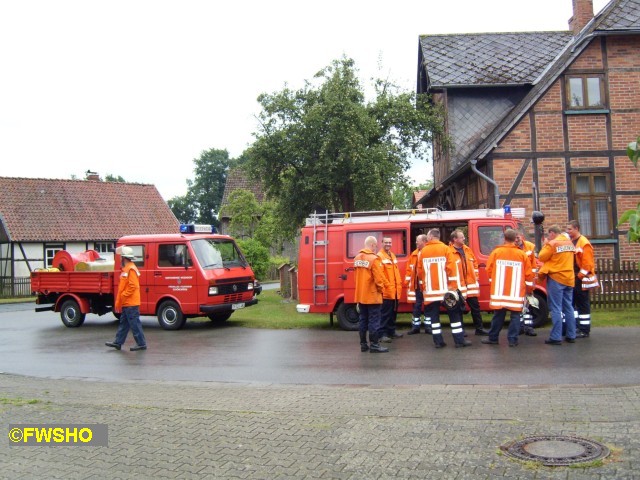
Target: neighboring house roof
[
  {"x": 48, "y": 210},
  {"x": 238, "y": 178},
  {"x": 417, "y": 195},
  {"x": 480, "y": 59}
]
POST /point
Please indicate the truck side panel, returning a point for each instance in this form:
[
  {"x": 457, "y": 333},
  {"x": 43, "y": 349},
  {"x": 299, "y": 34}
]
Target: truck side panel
[{"x": 76, "y": 282}]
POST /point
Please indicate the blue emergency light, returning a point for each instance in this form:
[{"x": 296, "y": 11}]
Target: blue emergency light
[{"x": 197, "y": 228}]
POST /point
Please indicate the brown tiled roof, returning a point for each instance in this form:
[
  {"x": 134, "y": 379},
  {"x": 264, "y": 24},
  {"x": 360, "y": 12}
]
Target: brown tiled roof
[
  {"x": 417, "y": 195},
  {"x": 237, "y": 178},
  {"x": 47, "y": 210}
]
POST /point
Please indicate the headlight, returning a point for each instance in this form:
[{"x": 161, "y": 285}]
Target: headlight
[
  {"x": 213, "y": 290},
  {"x": 250, "y": 286}
]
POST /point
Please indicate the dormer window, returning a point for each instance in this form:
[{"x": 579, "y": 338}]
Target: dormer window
[{"x": 585, "y": 92}]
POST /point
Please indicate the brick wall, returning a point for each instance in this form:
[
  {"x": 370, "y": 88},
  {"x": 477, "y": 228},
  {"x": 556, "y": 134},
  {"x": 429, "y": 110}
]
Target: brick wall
[{"x": 587, "y": 132}]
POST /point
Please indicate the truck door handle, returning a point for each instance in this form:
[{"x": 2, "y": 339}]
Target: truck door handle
[
  {"x": 157, "y": 274},
  {"x": 349, "y": 269},
  {"x": 343, "y": 276}
]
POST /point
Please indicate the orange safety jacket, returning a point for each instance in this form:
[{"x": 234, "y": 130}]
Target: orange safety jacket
[
  {"x": 434, "y": 269},
  {"x": 129, "y": 287},
  {"x": 411, "y": 276},
  {"x": 393, "y": 288},
  {"x": 557, "y": 257},
  {"x": 466, "y": 272},
  {"x": 585, "y": 264},
  {"x": 511, "y": 277},
  {"x": 370, "y": 279}
]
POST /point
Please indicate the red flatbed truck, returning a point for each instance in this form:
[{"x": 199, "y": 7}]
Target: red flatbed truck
[{"x": 181, "y": 276}]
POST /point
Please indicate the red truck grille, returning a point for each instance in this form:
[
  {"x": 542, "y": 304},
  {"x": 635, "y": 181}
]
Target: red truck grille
[{"x": 235, "y": 298}]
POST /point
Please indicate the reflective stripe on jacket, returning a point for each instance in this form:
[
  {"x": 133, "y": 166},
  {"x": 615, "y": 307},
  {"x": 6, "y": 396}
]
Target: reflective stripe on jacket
[
  {"x": 434, "y": 272},
  {"x": 585, "y": 262},
  {"x": 465, "y": 278},
  {"x": 370, "y": 280},
  {"x": 510, "y": 273},
  {"x": 410, "y": 276}
]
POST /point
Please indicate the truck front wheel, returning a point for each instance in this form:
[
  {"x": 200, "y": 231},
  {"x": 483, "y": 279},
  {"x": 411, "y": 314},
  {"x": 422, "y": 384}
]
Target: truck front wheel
[
  {"x": 71, "y": 315},
  {"x": 348, "y": 317},
  {"x": 540, "y": 314},
  {"x": 170, "y": 316}
]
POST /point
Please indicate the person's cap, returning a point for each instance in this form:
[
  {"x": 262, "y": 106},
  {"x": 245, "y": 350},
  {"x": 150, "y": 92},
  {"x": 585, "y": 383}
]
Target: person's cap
[{"x": 126, "y": 252}]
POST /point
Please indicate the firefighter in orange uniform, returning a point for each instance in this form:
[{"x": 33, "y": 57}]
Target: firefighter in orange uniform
[
  {"x": 435, "y": 268},
  {"x": 557, "y": 255},
  {"x": 414, "y": 291},
  {"x": 467, "y": 277},
  {"x": 370, "y": 283},
  {"x": 511, "y": 277},
  {"x": 529, "y": 249},
  {"x": 584, "y": 268},
  {"x": 391, "y": 294},
  {"x": 127, "y": 303}
]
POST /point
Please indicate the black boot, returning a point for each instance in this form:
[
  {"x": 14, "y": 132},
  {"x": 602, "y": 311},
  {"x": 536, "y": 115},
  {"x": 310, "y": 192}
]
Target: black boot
[
  {"x": 364, "y": 346},
  {"x": 375, "y": 346},
  {"x": 414, "y": 330}
]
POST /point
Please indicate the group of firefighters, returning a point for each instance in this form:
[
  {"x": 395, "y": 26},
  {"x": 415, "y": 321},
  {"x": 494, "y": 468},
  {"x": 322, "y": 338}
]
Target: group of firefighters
[{"x": 447, "y": 274}]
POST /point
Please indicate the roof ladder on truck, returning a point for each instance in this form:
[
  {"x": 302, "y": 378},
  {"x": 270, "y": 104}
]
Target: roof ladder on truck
[{"x": 320, "y": 259}]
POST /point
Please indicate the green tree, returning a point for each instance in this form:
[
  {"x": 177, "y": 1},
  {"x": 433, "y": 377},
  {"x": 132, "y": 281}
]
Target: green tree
[
  {"x": 257, "y": 255},
  {"x": 202, "y": 201},
  {"x": 402, "y": 194},
  {"x": 243, "y": 210},
  {"x": 114, "y": 178},
  {"x": 632, "y": 216},
  {"x": 327, "y": 146}
]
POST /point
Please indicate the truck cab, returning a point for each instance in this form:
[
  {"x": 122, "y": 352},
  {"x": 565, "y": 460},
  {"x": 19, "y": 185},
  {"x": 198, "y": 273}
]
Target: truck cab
[{"x": 183, "y": 276}]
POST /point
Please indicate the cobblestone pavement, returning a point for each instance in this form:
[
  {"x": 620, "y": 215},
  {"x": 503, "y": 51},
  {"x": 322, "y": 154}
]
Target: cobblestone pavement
[{"x": 263, "y": 431}]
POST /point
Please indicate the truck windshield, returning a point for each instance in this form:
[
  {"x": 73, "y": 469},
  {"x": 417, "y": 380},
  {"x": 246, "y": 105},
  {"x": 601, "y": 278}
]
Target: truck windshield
[{"x": 218, "y": 253}]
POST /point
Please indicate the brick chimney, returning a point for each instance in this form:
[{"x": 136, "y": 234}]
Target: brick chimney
[{"x": 582, "y": 14}]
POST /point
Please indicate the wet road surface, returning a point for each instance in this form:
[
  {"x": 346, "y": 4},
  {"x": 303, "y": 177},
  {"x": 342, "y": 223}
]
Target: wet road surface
[{"x": 37, "y": 344}]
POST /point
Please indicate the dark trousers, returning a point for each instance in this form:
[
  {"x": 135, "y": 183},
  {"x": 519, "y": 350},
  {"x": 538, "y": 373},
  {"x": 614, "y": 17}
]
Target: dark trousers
[
  {"x": 432, "y": 316},
  {"x": 497, "y": 323},
  {"x": 581, "y": 307},
  {"x": 417, "y": 307},
  {"x": 130, "y": 319},
  {"x": 388, "y": 316},
  {"x": 476, "y": 315},
  {"x": 369, "y": 321}
]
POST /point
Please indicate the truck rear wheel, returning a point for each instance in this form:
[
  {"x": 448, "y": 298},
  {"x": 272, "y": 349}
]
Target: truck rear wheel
[
  {"x": 220, "y": 317},
  {"x": 348, "y": 317},
  {"x": 170, "y": 316},
  {"x": 541, "y": 314},
  {"x": 71, "y": 315}
]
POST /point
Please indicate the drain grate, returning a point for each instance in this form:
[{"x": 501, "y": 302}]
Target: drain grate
[{"x": 556, "y": 450}]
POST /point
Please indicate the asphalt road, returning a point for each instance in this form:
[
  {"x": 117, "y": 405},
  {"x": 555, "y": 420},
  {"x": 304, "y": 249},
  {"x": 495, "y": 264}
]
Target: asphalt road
[{"x": 39, "y": 345}]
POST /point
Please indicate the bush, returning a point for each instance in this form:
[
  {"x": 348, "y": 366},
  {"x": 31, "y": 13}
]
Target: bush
[
  {"x": 274, "y": 263},
  {"x": 257, "y": 255}
]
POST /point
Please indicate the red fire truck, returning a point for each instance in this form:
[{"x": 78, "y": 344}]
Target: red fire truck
[
  {"x": 330, "y": 241},
  {"x": 181, "y": 276}
]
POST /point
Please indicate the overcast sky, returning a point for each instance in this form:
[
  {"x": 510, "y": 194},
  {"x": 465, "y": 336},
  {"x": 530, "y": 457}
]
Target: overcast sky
[{"x": 139, "y": 88}]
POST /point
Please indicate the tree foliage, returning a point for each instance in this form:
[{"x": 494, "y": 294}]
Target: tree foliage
[
  {"x": 244, "y": 211},
  {"x": 257, "y": 255},
  {"x": 201, "y": 203},
  {"x": 632, "y": 216},
  {"x": 326, "y": 146}
]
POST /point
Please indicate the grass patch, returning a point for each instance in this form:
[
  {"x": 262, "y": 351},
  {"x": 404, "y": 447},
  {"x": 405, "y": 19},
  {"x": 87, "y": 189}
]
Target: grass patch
[
  {"x": 18, "y": 402},
  {"x": 18, "y": 300}
]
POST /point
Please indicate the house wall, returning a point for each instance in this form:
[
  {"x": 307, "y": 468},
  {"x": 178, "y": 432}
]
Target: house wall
[{"x": 551, "y": 142}]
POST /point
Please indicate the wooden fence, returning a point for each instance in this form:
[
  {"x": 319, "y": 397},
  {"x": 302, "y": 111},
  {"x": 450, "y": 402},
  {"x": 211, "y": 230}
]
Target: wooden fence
[{"x": 619, "y": 285}]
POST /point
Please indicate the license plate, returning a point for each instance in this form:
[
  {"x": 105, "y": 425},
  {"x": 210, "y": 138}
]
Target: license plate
[{"x": 237, "y": 306}]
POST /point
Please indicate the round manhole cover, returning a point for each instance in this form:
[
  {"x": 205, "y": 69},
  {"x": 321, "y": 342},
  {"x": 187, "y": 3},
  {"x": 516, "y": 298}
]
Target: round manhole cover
[{"x": 556, "y": 450}]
